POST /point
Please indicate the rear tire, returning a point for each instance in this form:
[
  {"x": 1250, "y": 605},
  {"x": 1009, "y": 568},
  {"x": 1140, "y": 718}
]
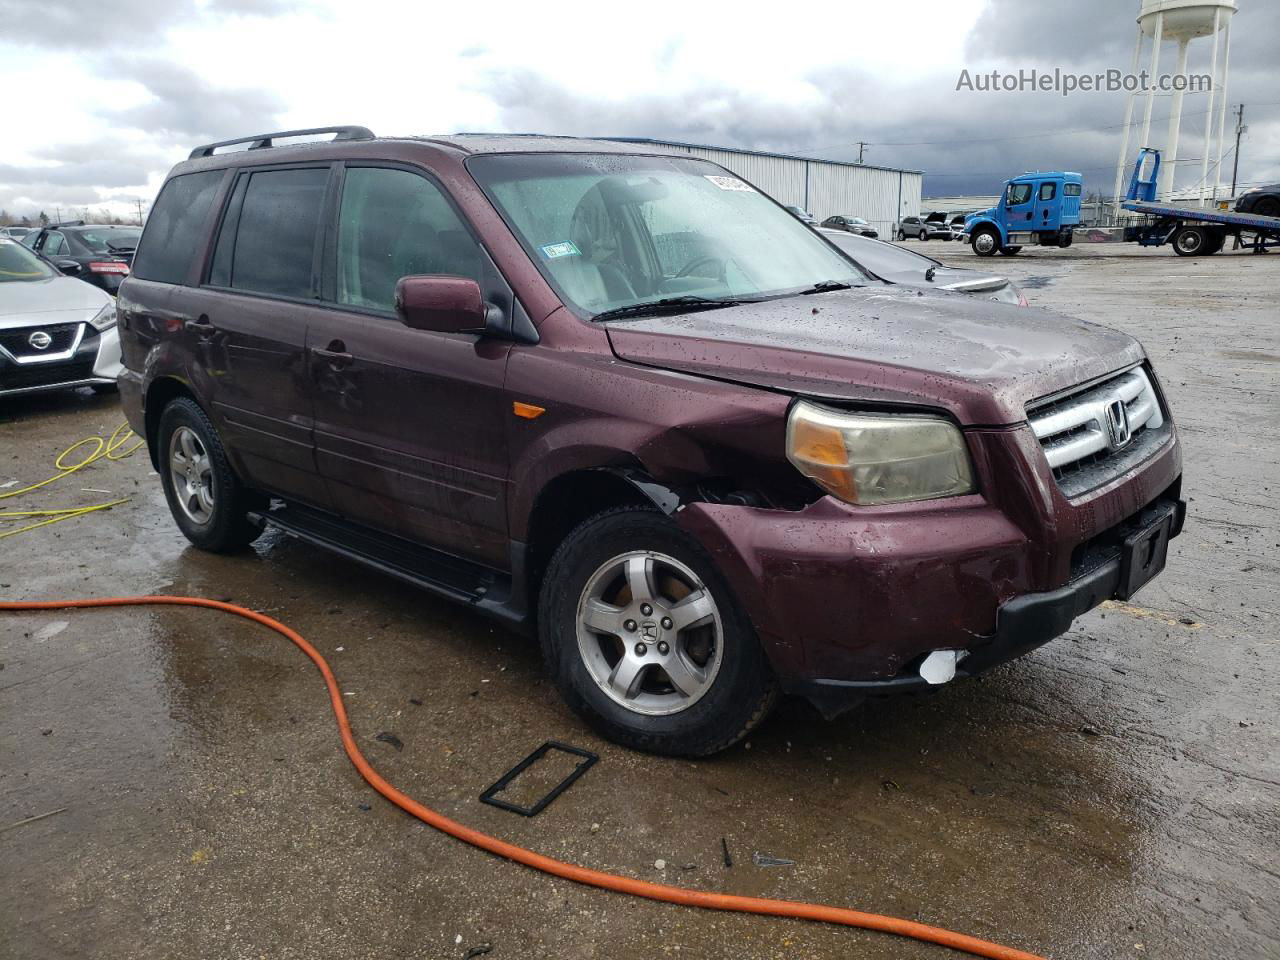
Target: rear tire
[
  {"x": 1267, "y": 207},
  {"x": 640, "y": 678},
  {"x": 206, "y": 498},
  {"x": 1191, "y": 242},
  {"x": 901, "y": 236}
]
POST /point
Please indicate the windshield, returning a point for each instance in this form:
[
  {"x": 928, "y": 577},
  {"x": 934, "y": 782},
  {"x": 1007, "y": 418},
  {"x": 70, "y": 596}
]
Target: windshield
[
  {"x": 17, "y": 263},
  {"x": 879, "y": 257},
  {"x": 610, "y": 231},
  {"x": 105, "y": 240}
]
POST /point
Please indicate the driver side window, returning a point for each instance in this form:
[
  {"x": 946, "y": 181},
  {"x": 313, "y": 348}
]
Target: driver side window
[
  {"x": 395, "y": 224},
  {"x": 1017, "y": 193}
]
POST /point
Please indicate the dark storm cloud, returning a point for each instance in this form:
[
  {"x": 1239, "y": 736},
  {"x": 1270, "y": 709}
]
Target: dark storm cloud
[
  {"x": 966, "y": 142},
  {"x": 184, "y": 107}
]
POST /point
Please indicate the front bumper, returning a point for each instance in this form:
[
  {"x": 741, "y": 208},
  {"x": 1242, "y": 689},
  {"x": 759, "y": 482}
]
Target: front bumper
[
  {"x": 1022, "y": 624},
  {"x": 848, "y": 600}
]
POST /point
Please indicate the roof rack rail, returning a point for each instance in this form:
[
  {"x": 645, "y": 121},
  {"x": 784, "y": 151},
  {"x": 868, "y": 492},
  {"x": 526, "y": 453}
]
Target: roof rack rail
[
  {"x": 65, "y": 223},
  {"x": 264, "y": 140}
]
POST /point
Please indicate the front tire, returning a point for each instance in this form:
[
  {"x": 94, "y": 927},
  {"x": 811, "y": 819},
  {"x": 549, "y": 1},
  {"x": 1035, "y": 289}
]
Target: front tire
[
  {"x": 924, "y": 235},
  {"x": 1010, "y": 251},
  {"x": 206, "y": 498},
  {"x": 985, "y": 241},
  {"x": 646, "y": 641}
]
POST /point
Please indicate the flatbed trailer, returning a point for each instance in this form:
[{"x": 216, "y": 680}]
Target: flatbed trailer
[{"x": 1192, "y": 232}]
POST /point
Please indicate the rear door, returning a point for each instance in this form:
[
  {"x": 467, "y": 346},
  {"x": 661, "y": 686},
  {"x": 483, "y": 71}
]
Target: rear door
[
  {"x": 410, "y": 424},
  {"x": 1049, "y": 204},
  {"x": 249, "y": 322}
]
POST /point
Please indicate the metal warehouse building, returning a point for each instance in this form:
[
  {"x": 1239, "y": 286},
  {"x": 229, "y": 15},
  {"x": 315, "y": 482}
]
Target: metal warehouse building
[{"x": 882, "y": 195}]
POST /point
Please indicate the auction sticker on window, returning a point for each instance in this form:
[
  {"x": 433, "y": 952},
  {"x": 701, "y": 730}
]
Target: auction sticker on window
[
  {"x": 730, "y": 183},
  {"x": 564, "y": 249}
]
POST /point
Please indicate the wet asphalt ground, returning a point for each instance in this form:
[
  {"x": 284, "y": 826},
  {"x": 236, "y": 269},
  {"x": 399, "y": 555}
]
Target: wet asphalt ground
[{"x": 1114, "y": 794}]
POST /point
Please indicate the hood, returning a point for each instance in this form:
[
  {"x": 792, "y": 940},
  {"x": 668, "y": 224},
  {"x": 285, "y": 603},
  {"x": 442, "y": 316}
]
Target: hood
[
  {"x": 987, "y": 214},
  {"x": 980, "y": 361},
  {"x": 56, "y": 300}
]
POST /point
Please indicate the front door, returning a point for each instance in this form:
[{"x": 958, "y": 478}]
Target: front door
[
  {"x": 1019, "y": 210},
  {"x": 410, "y": 424},
  {"x": 250, "y": 321}
]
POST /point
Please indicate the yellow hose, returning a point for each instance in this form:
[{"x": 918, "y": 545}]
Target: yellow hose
[{"x": 108, "y": 449}]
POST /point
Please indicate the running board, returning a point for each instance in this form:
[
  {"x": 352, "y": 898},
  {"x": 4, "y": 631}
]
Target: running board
[{"x": 489, "y": 591}]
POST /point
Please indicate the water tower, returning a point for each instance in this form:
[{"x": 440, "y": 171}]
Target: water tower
[{"x": 1181, "y": 22}]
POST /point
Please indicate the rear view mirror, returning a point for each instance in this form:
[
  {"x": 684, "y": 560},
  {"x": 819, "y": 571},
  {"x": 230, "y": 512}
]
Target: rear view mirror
[
  {"x": 69, "y": 267},
  {"x": 439, "y": 303}
]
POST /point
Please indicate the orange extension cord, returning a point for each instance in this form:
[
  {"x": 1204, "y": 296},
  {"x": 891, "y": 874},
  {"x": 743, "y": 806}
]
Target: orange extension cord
[{"x": 584, "y": 875}]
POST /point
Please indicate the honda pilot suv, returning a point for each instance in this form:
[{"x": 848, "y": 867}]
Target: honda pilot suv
[{"x": 626, "y": 401}]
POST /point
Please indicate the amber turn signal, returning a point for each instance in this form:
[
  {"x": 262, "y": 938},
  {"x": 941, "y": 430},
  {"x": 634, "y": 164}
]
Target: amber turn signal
[{"x": 528, "y": 411}]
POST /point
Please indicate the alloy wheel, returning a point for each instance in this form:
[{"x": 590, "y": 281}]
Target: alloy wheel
[
  {"x": 649, "y": 633},
  {"x": 192, "y": 475}
]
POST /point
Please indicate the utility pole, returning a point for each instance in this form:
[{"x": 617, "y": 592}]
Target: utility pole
[
  {"x": 138, "y": 201},
  {"x": 861, "y": 145},
  {"x": 1235, "y": 163}
]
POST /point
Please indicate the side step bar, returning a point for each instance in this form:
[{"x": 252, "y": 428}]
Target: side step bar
[{"x": 497, "y": 594}]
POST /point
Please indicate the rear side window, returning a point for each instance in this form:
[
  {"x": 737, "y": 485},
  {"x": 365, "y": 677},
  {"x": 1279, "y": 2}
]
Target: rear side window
[
  {"x": 274, "y": 244},
  {"x": 175, "y": 227},
  {"x": 1071, "y": 189},
  {"x": 54, "y": 244},
  {"x": 395, "y": 224},
  {"x": 1048, "y": 191}
]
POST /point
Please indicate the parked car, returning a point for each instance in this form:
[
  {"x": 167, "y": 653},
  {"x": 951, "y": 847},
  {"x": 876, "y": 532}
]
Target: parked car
[
  {"x": 55, "y": 331},
  {"x": 850, "y": 225},
  {"x": 1263, "y": 201},
  {"x": 628, "y": 398},
  {"x": 921, "y": 229},
  {"x": 97, "y": 253},
  {"x": 15, "y": 233},
  {"x": 956, "y": 225},
  {"x": 802, "y": 214},
  {"x": 910, "y": 269}
]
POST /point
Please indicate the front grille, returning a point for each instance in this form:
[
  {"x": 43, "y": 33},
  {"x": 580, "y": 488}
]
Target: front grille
[
  {"x": 63, "y": 337},
  {"x": 15, "y": 377},
  {"x": 1096, "y": 434}
]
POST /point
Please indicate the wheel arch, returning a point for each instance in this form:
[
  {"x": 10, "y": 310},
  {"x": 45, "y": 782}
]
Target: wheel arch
[{"x": 162, "y": 392}]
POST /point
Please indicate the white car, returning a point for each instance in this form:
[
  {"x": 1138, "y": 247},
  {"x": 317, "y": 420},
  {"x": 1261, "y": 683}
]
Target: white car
[{"x": 56, "y": 332}]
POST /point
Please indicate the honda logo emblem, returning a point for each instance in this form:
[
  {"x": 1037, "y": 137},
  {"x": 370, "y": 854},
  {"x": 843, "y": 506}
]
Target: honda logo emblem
[
  {"x": 40, "y": 340},
  {"x": 1118, "y": 431}
]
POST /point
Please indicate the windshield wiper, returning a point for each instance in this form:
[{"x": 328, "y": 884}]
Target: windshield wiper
[
  {"x": 667, "y": 305},
  {"x": 824, "y": 286}
]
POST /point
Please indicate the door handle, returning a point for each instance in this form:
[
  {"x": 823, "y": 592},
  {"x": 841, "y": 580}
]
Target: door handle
[
  {"x": 336, "y": 354},
  {"x": 203, "y": 327}
]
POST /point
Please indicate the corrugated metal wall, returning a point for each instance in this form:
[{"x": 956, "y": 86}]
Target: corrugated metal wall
[{"x": 821, "y": 188}]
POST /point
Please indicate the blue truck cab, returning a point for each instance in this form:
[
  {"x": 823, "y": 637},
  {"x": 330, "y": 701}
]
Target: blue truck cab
[{"x": 1035, "y": 208}]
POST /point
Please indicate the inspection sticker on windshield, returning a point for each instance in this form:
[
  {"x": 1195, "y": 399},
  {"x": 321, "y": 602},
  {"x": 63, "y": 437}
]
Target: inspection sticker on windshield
[
  {"x": 564, "y": 249},
  {"x": 730, "y": 183}
]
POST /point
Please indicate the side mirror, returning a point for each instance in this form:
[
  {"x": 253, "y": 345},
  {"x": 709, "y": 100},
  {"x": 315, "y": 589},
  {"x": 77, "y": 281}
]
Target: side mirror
[
  {"x": 439, "y": 303},
  {"x": 69, "y": 267}
]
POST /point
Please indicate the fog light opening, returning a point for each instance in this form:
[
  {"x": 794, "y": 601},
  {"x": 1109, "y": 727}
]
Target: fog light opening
[{"x": 940, "y": 666}]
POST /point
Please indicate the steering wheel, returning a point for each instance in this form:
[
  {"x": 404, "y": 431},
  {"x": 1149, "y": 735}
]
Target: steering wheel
[{"x": 696, "y": 262}]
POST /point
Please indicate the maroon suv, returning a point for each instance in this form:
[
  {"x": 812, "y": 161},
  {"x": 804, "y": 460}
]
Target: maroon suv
[{"x": 626, "y": 397}]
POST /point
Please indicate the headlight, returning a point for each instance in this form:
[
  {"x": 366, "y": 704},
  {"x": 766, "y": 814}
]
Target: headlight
[
  {"x": 105, "y": 318},
  {"x": 878, "y": 458}
]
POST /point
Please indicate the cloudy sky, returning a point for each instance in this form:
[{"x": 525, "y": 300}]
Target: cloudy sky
[{"x": 102, "y": 99}]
